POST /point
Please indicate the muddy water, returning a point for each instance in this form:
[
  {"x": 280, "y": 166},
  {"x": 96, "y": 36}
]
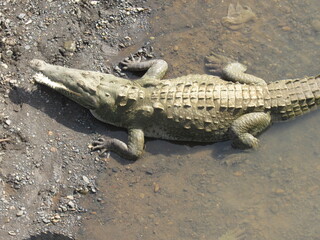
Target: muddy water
[{"x": 181, "y": 191}]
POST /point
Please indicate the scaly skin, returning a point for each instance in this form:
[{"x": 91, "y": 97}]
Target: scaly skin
[{"x": 200, "y": 108}]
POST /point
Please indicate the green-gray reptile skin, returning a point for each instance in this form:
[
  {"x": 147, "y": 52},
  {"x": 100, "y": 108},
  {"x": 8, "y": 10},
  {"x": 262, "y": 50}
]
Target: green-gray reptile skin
[{"x": 200, "y": 108}]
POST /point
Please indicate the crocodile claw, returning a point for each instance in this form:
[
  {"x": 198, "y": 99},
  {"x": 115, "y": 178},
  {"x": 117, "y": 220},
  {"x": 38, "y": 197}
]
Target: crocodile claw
[
  {"x": 129, "y": 62},
  {"x": 215, "y": 63},
  {"x": 102, "y": 145}
]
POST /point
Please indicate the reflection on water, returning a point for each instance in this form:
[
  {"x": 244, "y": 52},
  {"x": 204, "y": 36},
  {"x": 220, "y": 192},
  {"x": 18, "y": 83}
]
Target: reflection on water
[{"x": 179, "y": 191}]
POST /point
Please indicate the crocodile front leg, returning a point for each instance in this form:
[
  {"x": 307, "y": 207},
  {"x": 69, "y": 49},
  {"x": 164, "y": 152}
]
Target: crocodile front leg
[
  {"x": 131, "y": 151},
  {"x": 244, "y": 128},
  {"x": 156, "y": 69}
]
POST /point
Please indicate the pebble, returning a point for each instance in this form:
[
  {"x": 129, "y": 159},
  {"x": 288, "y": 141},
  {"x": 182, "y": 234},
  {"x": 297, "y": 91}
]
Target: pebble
[
  {"x": 12, "y": 233},
  {"x": 156, "y": 187},
  {"x": 71, "y": 204},
  {"x": 5, "y": 66},
  {"x": 279, "y": 191},
  {"x": 85, "y": 179},
  {"x": 70, "y": 46},
  {"x": 19, "y": 213},
  {"x": 46, "y": 221},
  {"x": 64, "y": 208},
  {"x": 316, "y": 25},
  {"x": 8, "y": 122},
  {"x": 21, "y": 16},
  {"x": 149, "y": 172},
  {"x": 70, "y": 197}
]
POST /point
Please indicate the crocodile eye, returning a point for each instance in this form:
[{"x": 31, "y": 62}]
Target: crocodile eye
[{"x": 107, "y": 94}]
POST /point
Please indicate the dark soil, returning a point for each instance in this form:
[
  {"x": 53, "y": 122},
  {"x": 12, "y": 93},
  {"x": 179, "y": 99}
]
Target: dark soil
[{"x": 45, "y": 164}]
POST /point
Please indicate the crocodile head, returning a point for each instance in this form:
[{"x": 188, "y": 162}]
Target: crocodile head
[{"x": 80, "y": 86}]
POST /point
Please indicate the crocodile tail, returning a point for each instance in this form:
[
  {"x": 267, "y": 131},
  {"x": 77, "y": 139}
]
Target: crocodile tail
[{"x": 294, "y": 97}]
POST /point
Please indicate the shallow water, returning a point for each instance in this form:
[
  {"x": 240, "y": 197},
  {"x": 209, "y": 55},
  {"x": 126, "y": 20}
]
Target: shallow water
[{"x": 181, "y": 191}]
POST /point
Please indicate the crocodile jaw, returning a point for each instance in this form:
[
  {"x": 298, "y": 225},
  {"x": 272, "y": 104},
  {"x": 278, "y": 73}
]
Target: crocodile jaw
[
  {"x": 69, "y": 87},
  {"x": 42, "y": 79}
]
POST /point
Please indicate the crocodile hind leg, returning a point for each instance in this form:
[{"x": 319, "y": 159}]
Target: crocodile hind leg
[
  {"x": 231, "y": 70},
  {"x": 244, "y": 128},
  {"x": 236, "y": 72},
  {"x": 155, "y": 70},
  {"x": 131, "y": 151}
]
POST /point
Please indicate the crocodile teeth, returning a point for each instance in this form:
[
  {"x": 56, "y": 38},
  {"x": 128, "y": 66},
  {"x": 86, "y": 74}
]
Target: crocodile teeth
[{"x": 42, "y": 79}]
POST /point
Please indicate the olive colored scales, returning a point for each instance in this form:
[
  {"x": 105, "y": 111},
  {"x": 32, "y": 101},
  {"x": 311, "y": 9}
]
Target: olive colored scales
[{"x": 201, "y": 108}]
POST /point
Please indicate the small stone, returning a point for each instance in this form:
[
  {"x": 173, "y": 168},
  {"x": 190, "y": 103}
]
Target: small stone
[
  {"x": 71, "y": 204},
  {"x": 286, "y": 28},
  {"x": 70, "y": 46},
  {"x": 3, "y": 65},
  {"x": 9, "y": 53},
  {"x": 85, "y": 179},
  {"x": 46, "y": 221},
  {"x": 70, "y": 197},
  {"x": 19, "y": 213},
  {"x": 149, "y": 172},
  {"x": 176, "y": 48},
  {"x": 53, "y": 149},
  {"x": 316, "y": 25},
  {"x": 279, "y": 191},
  {"x": 12, "y": 233},
  {"x": 64, "y": 208},
  {"x": 8, "y": 122},
  {"x": 238, "y": 173},
  {"x": 156, "y": 187},
  {"x": 21, "y": 16}
]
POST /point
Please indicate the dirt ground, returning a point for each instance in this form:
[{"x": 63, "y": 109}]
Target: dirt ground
[{"x": 46, "y": 166}]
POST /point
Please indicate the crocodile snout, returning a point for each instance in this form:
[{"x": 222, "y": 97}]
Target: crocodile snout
[{"x": 37, "y": 64}]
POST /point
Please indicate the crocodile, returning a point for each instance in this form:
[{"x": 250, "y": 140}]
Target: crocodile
[{"x": 198, "y": 107}]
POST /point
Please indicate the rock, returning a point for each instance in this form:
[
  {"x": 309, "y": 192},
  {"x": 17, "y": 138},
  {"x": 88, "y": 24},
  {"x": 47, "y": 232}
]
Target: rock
[
  {"x": 316, "y": 25},
  {"x": 156, "y": 187},
  {"x": 46, "y": 221},
  {"x": 70, "y": 197},
  {"x": 12, "y": 233},
  {"x": 8, "y": 122},
  {"x": 85, "y": 179},
  {"x": 149, "y": 172},
  {"x": 71, "y": 204},
  {"x": 21, "y": 16},
  {"x": 70, "y": 46},
  {"x": 19, "y": 213}
]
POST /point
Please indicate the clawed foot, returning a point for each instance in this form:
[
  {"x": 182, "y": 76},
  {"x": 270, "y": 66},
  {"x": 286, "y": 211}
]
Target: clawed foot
[
  {"x": 130, "y": 62},
  {"x": 216, "y": 63},
  {"x": 102, "y": 144}
]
